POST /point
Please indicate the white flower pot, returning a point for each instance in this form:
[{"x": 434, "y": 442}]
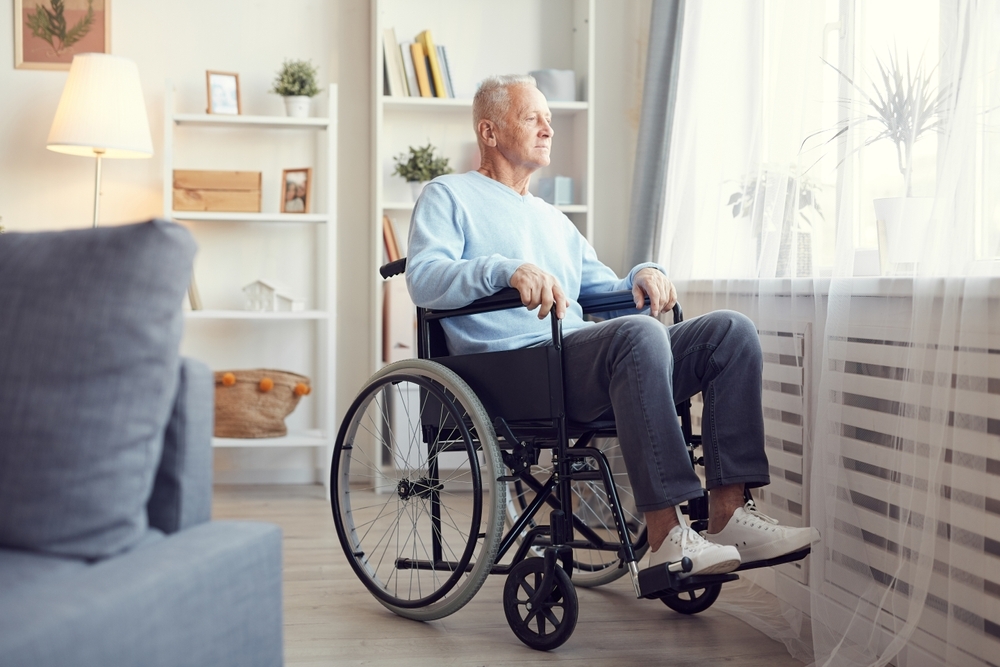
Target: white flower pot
[
  {"x": 297, "y": 106},
  {"x": 417, "y": 187},
  {"x": 904, "y": 221}
]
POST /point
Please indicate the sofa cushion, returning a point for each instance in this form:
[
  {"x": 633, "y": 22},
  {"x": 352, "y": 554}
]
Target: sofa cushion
[
  {"x": 182, "y": 489},
  {"x": 89, "y": 342}
]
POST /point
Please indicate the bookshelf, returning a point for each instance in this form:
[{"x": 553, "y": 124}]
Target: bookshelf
[
  {"x": 298, "y": 250},
  {"x": 482, "y": 38}
]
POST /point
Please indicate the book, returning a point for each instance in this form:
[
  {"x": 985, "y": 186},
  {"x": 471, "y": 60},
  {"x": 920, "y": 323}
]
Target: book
[
  {"x": 420, "y": 65},
  {"x": 445, "y": 70},
  {"x": 427, "y": 41},
  {"x": 389, "y": 238},
  {"x": 409, "y": 70},
  {"x": 395, "y": 82},
  {"x": 434, "y": 91}
]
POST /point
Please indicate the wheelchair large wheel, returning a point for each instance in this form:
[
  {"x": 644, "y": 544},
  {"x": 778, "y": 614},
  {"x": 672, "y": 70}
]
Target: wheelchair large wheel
[
  {"x": 591, "y": 567},
  {"x": 415, "y": 499},
  {"x": 693, "y": 602},
  {"x": 547, "y": 623}
]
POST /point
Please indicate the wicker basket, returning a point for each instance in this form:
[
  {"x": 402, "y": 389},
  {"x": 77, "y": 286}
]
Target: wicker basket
[{"x": 254, "y": 403}]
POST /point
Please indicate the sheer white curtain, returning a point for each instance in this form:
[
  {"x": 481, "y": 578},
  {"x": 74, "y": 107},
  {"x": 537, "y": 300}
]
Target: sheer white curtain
[{"x": 881, "y": 330}]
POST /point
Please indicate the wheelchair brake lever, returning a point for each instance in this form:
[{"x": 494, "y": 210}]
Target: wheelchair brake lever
[{"x": 519, "y": 458}]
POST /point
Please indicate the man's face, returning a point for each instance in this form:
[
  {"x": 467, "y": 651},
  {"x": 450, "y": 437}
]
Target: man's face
[{"x": 525, "y": 139}]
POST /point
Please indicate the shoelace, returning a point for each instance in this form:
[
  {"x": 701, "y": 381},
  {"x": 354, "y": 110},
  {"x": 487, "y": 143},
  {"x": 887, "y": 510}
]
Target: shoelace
[
  {"x": 691, "y": 542},
  {"x": 751, "y": 509}
]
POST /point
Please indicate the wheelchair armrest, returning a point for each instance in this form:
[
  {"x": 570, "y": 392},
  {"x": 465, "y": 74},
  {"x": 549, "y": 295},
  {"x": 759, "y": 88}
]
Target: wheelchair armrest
[
  {"x": 503, "y": 300},
  {"x": 604, "y": 302}
]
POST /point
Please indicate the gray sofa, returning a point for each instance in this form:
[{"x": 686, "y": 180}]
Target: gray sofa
[{"x": 107, "y": 552}]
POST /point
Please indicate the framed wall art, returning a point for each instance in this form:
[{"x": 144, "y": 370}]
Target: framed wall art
[{"x": 48, "y": 33}]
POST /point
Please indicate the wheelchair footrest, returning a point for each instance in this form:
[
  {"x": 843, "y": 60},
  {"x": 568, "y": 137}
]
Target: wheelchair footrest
[
  {"x": 771, "y": 562},
  {"x": 655, "y": 582}
]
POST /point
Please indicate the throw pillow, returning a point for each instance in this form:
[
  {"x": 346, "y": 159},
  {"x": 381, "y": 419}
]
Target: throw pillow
[{"x": 90, "y": 327}]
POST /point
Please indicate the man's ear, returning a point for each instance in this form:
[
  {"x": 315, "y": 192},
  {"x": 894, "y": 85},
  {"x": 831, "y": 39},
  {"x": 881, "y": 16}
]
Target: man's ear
[{"x": 487, "y": 132}]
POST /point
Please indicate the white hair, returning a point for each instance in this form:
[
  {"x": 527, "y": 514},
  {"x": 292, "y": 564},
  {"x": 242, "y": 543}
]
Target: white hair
[{"x": 492, "y": 100}]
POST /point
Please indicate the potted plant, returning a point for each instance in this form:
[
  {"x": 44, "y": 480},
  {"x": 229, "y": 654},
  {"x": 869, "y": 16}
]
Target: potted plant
[
  {"x": 420, "y": 166},
  {"x": 296, "y": 82},
  {"x": 798, "y": 220},
  {"x": 905, "y": 107}
]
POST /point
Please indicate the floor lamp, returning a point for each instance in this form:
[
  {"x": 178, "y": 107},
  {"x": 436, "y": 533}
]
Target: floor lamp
[{"x": 101, "y": 114}]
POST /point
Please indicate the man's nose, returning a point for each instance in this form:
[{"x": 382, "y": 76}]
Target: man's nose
[{"x": 547, "y": 130}]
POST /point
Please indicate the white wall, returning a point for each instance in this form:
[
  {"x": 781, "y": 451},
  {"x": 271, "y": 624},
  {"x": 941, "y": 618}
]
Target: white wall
[{"x": 180, "y": 39}]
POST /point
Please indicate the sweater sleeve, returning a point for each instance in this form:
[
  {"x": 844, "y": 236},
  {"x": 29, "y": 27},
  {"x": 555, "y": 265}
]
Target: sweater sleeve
[
  {"x": 595, "y": 276},
  {"x": 436, "y": 274}
]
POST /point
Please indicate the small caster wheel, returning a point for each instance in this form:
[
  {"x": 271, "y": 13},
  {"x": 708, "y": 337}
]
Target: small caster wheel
[
  {"x": 541, "y": 624},
  {"x": 692, "y": 602}
]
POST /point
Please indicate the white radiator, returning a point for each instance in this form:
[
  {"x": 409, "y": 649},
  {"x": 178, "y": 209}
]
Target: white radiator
[{"x": 886, "y": 464}]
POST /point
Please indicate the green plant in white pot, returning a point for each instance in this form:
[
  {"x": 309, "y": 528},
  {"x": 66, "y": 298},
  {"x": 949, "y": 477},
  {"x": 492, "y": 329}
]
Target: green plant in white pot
[
  {"x": 296, "y": 83},
  {"x": 906, "y": 107},
  {"x": 419, "y": 166}
]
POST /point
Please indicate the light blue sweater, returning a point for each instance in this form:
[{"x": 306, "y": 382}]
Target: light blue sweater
[{"x": 470, "y": 233}]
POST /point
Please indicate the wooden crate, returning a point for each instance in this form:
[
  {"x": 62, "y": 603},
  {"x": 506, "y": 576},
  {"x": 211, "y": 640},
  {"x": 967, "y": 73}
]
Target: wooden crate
[{"x": 231, "y": 191}]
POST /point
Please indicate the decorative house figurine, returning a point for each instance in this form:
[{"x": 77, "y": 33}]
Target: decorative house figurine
[{"x": 263, "y": 296}]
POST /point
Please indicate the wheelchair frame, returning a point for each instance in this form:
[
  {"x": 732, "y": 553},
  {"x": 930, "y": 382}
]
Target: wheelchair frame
[{"x": 525, "y": 419}]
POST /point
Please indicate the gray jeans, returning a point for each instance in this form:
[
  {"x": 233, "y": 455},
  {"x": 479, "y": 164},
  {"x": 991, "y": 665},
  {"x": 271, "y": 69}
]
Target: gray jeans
[{"x": 640, "y": 368}]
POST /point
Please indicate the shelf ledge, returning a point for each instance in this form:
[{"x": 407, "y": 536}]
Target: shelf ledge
[
  {"x": 219, "y": 314},
  {"x": 301, "y": 439},
  {"x": 273, "y": 122},
  {"x": 225, "y": 216},
  {"x": 408, "y": 206},
  {"x": 445, "y": 103}
]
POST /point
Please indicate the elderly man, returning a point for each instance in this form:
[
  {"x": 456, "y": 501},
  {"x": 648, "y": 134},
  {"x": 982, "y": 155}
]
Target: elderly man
[{"x": 476, "y": 233}]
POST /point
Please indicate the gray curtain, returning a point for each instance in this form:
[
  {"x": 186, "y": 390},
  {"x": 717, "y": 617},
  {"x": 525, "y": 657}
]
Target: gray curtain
[{"x": 659, "y": 98}]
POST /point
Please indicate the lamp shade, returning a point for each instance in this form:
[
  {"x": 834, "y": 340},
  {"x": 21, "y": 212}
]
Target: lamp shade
[{"x": 101, "y": 109}]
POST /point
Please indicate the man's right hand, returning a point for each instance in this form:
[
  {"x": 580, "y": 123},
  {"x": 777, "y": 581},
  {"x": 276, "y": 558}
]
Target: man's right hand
[{"x": 538, "y": 288}]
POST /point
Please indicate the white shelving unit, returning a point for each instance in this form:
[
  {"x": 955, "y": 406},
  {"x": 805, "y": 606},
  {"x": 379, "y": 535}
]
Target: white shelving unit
[
  {"x": 526, "y": 35},
  {"x": 223, "y": 335}
]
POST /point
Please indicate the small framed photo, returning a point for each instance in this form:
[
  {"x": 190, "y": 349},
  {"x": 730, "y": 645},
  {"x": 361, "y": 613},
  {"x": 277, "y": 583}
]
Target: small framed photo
[
  {"x": 223, "y": 92},
  {"x": 48, "y": 34},
  {"x": 296, "y": 190}
]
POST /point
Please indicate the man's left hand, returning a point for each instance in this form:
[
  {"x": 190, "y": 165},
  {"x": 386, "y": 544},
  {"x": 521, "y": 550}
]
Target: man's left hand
[{"x": 652, "y": 283}]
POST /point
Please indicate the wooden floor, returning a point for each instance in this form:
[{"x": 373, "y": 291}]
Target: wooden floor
[{"x": 331, "y": 619}]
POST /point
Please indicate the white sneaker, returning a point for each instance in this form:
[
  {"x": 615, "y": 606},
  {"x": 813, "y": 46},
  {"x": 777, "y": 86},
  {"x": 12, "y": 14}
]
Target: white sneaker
[
  {"x": 706, "y": 557},
  {"x": 759, "y": 537}
]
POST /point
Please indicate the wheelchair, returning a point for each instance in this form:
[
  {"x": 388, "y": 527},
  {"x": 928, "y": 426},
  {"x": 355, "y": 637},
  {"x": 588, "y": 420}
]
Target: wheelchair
[{"x": 447, "y": 469}]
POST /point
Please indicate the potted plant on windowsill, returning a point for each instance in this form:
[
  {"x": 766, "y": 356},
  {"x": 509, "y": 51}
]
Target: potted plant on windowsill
[
  {"x": 420, "y": 166},
  {"x": 296, "y": 83},
  {"x": 906, "y": 107},
  {"x": 794, "y": 223}
]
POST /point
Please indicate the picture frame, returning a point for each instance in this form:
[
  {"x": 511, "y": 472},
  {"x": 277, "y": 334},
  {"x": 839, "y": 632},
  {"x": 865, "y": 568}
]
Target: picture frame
[
  {"x": 223, "y": 92},
  {"x": 296, "y": 190},
  {"x": 85, "y": 27}
]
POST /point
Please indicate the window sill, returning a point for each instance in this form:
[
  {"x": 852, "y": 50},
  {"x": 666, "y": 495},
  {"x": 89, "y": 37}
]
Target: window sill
[{"x": 876, "y": 286}]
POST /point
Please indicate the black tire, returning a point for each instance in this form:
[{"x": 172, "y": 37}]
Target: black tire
[
  {"x": 413, "y": 482},
  {"x": 693, "y": 602},
  {"x": 591, "y": 567},
  {"x": 550, "y": 625}
]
